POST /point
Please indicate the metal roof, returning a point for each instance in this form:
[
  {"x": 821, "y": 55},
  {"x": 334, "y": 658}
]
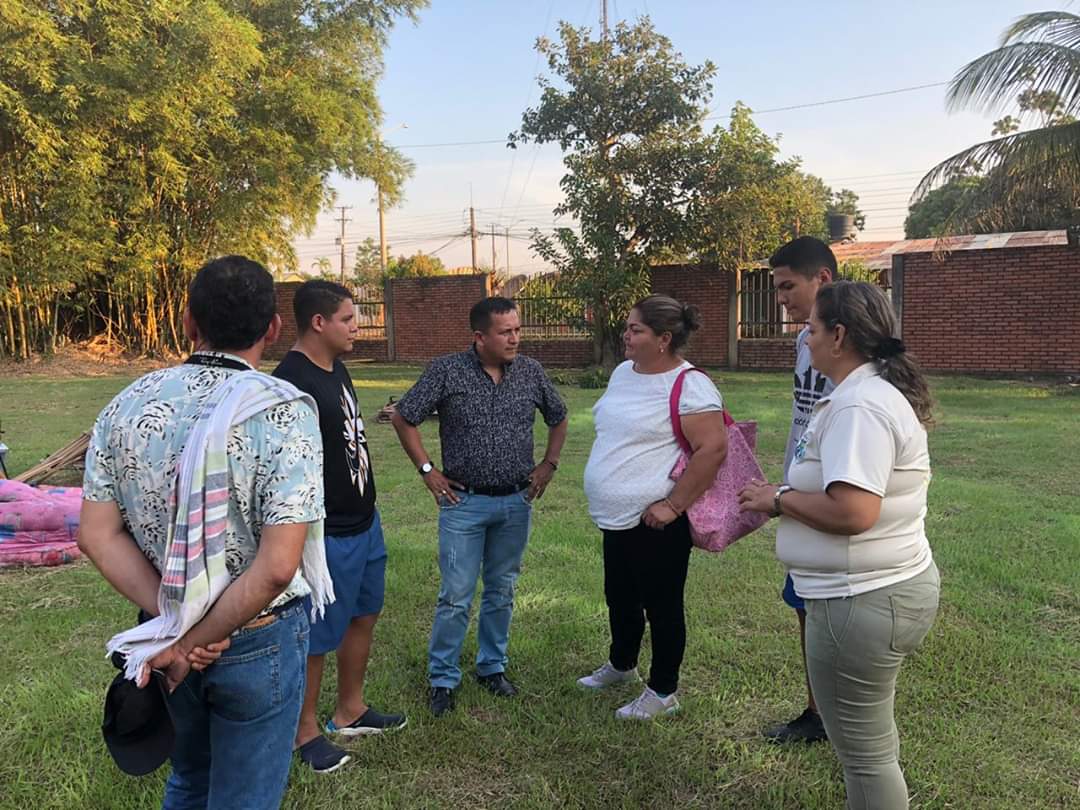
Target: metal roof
[{"x": 878, "y": 255}]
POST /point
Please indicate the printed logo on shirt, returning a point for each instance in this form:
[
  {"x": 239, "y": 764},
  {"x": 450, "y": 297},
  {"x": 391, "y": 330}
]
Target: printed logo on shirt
[
  {"x": 356, "y": 453},
  {"x": 809, "y": 388}
]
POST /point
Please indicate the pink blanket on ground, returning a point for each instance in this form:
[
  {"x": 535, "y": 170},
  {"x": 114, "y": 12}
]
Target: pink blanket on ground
[{"x": 38, "y": 526}]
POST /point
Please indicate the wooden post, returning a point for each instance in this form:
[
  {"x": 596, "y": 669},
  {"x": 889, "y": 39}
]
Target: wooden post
[
  {"x": 388, "y": 320},
  {"x": 897, "y": 290},
  {"x": 734, "y": 313}
]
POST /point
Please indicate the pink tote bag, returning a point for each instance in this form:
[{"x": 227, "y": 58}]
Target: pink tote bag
[{"x": 715, "y": 519}]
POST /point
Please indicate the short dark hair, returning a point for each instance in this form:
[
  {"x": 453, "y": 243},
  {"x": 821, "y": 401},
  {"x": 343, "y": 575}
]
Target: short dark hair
[
  {"x": 662, "y": 313},
  {"x": 232, "y": 302},
  {"x": 317, "y": 297},
  {"x": 805, "y": 256},
  {"x": 480, "y": 314}
]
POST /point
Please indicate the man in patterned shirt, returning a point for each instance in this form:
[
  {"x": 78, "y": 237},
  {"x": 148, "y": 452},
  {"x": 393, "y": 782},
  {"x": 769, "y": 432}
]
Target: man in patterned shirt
[
  {"x": 487, "y": 398},
  {"x": 236, "y": 718}
]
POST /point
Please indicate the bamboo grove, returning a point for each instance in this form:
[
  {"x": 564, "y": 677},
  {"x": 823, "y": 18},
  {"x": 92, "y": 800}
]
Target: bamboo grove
[{"x": 138, "y": 139}]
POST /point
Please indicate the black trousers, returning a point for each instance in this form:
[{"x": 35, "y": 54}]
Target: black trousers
[{"x": 644, "y": 577}]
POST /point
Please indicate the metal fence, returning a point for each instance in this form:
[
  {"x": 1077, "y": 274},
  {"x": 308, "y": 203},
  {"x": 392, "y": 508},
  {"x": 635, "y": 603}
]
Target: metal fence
[
  {"x": 370, "y": 311},
  {"x": 762, "y": 316},
  {"x": 552, "y": 317}
]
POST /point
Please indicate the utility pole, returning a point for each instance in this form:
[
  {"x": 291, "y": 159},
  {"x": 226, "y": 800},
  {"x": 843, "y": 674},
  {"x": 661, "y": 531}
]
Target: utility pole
[
  {"x": 603, "y": 19},
  {"x": 493, "y": 249},
  {"x": 382, "y": 234},
  {"x": 341, "y": 241},
  {"x": 508, "y": 251},
  {"x": 472, "y": 233}
]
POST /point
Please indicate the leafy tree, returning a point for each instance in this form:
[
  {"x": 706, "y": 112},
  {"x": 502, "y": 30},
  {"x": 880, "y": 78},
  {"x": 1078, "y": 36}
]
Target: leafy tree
[
  {"x": 748, "y": 202},
  {"x": 367, "y": 268},
  {"x": 139, "y": 139},
  {"x": 415, "y": 266},
  {"x": 929, "y": 216},
  {"x": 1031, "y": 176},
  {"x": 628, "y": 116}
]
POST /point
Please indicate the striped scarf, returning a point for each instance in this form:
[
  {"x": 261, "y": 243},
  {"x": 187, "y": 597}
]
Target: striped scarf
[{"x": 194, "y": 572}]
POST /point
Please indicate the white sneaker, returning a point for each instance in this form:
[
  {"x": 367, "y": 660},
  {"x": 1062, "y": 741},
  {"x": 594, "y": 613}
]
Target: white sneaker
[
  {"x": 607, "y": 675},
  {"x": 648, "y": 705}
]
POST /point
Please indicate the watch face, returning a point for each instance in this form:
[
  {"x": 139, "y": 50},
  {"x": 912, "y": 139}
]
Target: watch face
[{"x": 426, "y": 468}]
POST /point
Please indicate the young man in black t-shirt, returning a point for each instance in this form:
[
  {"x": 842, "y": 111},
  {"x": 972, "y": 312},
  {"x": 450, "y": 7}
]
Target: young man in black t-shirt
[{"x": 355, "y": 550}]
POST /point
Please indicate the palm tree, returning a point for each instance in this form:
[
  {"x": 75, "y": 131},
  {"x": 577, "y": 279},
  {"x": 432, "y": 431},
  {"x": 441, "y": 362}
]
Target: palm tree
[
  {"x": 1039, "y": 53},
  {"x": 321, "y": 265}
]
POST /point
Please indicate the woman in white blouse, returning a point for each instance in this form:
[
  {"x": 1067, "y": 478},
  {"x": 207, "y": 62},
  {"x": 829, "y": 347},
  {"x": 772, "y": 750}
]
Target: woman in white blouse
[
  {"x": 639, "y": 509},
  {"x": 852, "y": 532}
]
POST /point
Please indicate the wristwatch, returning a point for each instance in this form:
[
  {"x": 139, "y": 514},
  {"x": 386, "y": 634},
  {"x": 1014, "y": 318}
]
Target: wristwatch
[
  {"x": 780, "y": 490},
  {"x": 425, "y": 468}
]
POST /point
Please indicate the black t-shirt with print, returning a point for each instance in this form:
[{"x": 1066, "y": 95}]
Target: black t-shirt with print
[{"x": 348, "y": 477}]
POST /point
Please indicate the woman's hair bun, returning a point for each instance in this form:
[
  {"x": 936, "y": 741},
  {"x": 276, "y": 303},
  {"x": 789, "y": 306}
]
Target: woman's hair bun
[{"x": 691, "y": 316}]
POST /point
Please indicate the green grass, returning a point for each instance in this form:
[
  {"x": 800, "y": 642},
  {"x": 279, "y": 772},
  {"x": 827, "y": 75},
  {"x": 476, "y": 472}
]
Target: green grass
[{"x": 988, "y": 708}]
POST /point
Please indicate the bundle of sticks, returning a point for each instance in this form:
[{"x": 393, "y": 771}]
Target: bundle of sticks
[{"x": 71, "y": 456}]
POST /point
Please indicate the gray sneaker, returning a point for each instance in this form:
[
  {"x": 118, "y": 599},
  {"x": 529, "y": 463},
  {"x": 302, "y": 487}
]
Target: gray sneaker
[
  {"x": 647, "y": 706},
  {"x": 607, "y": 675}
]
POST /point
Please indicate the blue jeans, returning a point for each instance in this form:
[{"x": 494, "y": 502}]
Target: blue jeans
[
  {"x": 236, "y": 720},
  {"x": 478, "y": 534}
]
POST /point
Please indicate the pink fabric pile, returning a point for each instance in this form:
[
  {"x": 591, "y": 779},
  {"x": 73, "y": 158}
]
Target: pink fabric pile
[{"x": 38, "y": 526}]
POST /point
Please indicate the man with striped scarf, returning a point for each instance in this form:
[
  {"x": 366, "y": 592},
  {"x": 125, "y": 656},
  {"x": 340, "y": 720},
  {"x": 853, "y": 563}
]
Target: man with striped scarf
[{"x": 203, "y": 505}]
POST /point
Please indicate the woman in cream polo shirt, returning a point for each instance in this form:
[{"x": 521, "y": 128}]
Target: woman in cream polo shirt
[{"x": 852, "y": 534}]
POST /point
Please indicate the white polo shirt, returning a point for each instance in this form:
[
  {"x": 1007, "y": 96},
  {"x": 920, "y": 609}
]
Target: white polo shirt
[{"x": 865, "y": 433}]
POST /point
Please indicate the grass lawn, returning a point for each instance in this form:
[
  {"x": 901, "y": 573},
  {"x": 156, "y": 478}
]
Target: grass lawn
[{"x": 988, "y": 710}]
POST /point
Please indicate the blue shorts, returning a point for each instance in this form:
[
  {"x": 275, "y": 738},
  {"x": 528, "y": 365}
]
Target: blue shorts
[
  {"x": 792, "y": 599},
  {"x": 357, "y": 566}
]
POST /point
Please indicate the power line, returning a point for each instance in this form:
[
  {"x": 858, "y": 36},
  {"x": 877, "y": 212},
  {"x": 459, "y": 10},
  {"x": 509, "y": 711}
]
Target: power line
[
  {"x": 843, "y": 100},
  {"x": 804, "y": 106}
]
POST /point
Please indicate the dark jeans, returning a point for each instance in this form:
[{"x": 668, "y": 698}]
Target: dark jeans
[
  {"x": 236, "y": 721},
  {"x": 644, "y": 577}
]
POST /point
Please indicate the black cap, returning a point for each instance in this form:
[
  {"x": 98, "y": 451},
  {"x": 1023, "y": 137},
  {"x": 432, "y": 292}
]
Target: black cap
[{"x": 138, "y": 724}]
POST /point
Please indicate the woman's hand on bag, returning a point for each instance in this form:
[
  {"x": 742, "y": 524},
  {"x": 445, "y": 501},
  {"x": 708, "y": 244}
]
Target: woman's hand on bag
[
  {"x": 658, "y": 515},
  {"x": 757, "y": 496}
]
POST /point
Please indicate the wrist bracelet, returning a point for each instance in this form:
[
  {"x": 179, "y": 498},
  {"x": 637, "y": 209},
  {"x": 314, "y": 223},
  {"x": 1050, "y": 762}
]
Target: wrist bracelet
[
  {"x": 671, "y": 506},
  {"x": 554, "y": 466}
]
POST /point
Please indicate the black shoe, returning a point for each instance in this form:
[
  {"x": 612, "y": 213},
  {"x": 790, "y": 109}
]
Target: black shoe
[
  {"x": 321, "y": 755},
  {"x": 441, "y": 700},
  {"x": 498, "y": 684},
  {"x": 807, "y": 727}
]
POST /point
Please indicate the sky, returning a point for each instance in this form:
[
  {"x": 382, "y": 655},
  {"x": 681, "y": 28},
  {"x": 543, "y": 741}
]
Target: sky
[{"x": 467, "y": 70}]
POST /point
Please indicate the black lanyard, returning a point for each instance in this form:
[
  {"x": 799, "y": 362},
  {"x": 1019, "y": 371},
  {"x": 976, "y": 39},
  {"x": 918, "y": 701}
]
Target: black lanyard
[{"x": 217, "y": 361}]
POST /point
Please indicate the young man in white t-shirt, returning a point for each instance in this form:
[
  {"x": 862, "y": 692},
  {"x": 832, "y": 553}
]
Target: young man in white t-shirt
[{"x": 799, "y": 269}]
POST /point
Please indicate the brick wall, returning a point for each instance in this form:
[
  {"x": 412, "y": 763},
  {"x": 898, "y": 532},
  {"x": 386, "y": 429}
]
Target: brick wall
[
  {"x": 1003, "y": 311},
  {"x": 362, "y": 349},
  {"x": 1009, "y": 310},
  {"x": 431, "y": 315},
  {"x": 376, "y": 350},
  {"x": 767, "y": 354},
  {"x": 711, "y": 290},
  {"x": 285, "y": 292},
  {"x": 559, "y": 353}
]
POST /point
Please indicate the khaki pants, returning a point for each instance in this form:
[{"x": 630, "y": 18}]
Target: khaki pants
[{"x": 854, "y": 648}]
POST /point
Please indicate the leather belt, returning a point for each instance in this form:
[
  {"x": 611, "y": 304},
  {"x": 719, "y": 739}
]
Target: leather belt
[
  {"x": 498, "y": 492},
  {"x": 264, "y": 619}
]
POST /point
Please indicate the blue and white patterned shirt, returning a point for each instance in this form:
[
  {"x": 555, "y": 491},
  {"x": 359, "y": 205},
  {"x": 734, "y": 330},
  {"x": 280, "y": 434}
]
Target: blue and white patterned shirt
[{"x": 275, "y": 463}]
